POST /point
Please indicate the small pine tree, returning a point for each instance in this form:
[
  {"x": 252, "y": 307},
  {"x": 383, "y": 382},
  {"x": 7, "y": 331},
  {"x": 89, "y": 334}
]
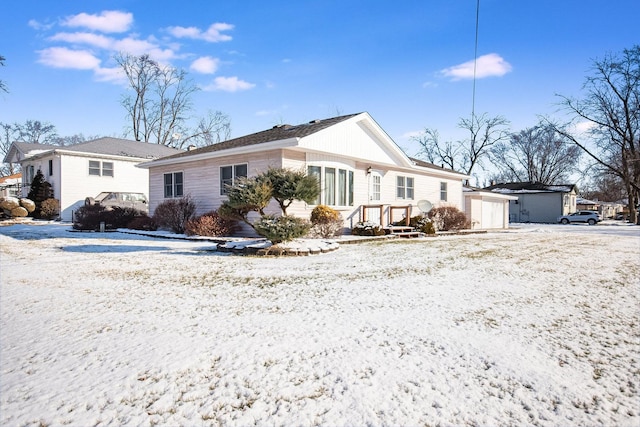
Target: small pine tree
[
  {"x": 39, "y": 191},
  {"x": 289, "y": 185}
]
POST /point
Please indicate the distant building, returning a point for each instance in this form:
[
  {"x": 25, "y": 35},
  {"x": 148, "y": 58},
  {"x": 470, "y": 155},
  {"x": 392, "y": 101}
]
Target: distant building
[
  {"x": 538, "y": 202},
  {"x": 10, "y": 185}
]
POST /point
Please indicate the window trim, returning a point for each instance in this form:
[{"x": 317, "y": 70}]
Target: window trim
[
  {"x": 234, "y": 175},
  {"x": 341, "y": 191},
  {"x": 405, "y": 187},
  {"x": 174, "y": 185},
  {"x": 444, "y": 191},
  {"x": 97, "y": 168}
]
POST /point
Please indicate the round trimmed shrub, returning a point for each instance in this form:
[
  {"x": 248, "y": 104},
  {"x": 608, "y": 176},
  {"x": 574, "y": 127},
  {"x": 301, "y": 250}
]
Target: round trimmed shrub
[
  {"x": 326, "y": 222},
  {"x": 282, "y": 228},
  {"x": 210, "y": 224},
  {"x": 367, "y": 228}
]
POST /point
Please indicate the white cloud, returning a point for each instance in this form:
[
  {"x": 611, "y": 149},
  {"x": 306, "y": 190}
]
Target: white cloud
[
  {"x": 205, "y": 65},
  {"x": 491, "y": 65},
  {"x": 38, "y": 25},
  {"x": 229, "y": 84},
  {"x": 427, "y": 85},
  {"x": 213, "y": 34},
  {"x": 91, "y": 39},
  {"x": 108, "y": 21},
  {"x": 584, "y": 127},
  {"x": 61, "y": 57},
  {"x": 112, "y": 75}
]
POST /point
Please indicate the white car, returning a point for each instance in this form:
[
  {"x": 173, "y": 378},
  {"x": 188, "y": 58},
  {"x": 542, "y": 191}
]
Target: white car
[{"x": 590, "y": 217}]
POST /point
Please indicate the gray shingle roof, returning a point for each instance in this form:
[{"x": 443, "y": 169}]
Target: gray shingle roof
[
  {"x": 276, "y": 133},
  {"x": 530, "y": 187},
  {"x": 122, "y": 147}
]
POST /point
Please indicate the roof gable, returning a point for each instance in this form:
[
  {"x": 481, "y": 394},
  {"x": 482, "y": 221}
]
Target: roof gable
[{"x": 277, "y": 133}]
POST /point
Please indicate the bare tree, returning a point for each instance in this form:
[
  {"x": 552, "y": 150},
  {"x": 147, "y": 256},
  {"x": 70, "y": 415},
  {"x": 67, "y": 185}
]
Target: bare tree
[
  {"x": 3, "y": 86},
  {"x": 612, "y": 106},
  {"x": 536, "y": 154},
  {"x": 160, "y": 106},
  {"x": 36, "y": 132},
  {"x": 9, "y": 134},
  {"x": 466, "y": 154}
]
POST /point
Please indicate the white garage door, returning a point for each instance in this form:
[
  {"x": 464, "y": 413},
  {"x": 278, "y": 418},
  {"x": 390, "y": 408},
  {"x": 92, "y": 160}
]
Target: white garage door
[{"x": 492, "y": 214}]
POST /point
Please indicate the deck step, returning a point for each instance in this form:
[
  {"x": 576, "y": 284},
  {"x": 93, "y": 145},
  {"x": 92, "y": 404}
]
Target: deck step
[{"x": 408, "y": 234}]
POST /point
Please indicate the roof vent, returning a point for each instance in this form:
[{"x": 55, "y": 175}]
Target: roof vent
[
  {"x": 314, "y": 121},
  {"x": 191, "y": 147}
]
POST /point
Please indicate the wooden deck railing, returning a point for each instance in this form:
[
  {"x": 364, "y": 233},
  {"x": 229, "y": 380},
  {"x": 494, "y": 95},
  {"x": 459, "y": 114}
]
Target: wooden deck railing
[{"x": 364, "y": 209}]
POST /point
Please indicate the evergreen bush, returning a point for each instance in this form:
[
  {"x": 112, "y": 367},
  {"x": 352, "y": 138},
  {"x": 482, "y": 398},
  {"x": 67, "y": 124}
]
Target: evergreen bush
[
  {"x": 39, "y": 191},
  {"x": 367, "y": 228},
  {"x": 282, "y": 228},
  {"x": 326, "y": 222}
]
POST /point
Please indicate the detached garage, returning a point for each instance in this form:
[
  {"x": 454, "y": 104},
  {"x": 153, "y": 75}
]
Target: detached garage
[{"x": 486, "y": 210}]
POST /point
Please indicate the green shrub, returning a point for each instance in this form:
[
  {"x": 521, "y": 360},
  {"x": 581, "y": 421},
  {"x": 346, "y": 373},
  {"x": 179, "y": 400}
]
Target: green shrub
[
  {"x": 448, "y": 218},
  {"x": 423, "y": 224},
  {"x": 367, "y": 228},
  {"x": 49, "y": 208},
  {"x": 326, "y": 222},
  {"x": 282, "y": 228},
  {"x": 174, "y": 214},
  {"x": 210, "y": 224}
]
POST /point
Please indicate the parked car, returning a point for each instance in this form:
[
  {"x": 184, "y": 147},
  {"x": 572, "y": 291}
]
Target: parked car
[
  {"x": 121, "y": 199},
  {"x": 590, "y": 217}
]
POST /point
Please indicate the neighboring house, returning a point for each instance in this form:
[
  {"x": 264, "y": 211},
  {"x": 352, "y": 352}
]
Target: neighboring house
[
  {"x": 86, "y": 169},
  {"x": 486, "y": 209},
  {"x": 538, "y": 202},
  {"x": 362, "y": 172},
  {"x": 587, "y": 205},
  {"x": 10, "y": 185}
]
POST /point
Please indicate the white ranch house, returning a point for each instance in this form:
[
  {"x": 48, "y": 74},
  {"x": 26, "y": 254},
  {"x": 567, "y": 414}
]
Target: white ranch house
[
  {"x": 362, "y": 172},
  {"x": 86, "y": 169}
]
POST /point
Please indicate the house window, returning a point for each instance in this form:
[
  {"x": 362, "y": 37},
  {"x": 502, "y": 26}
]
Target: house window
[
  {"x": 336, "y": 185},
  {"x": 376, "y": 185},
  {"x": 316, "y": 172},
  {"x": 566, "y": 199},
  {"x": 404, "y": 187},
  {"x": 230, "y": 174},
  {"x": 50, "y": 167},
  {"x": 29, "y": 175},
  {"x": 443, "y": 191},
  {"x": 173, "y": 185},
  {"x": 107, "y": 169},
  {"x": 97, "y": 168},
  {"x": 329, "y": 186},
  {"x": 94, "y": 167}
]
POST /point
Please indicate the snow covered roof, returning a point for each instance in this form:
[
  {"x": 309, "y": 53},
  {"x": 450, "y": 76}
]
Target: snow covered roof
[{"x": 531, "y": 187}]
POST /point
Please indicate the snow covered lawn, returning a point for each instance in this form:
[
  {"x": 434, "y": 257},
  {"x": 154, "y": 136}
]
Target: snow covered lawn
[{"x": 539, "y": 326}]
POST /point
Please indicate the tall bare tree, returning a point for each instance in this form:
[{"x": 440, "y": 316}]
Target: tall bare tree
[
  {"x": 160, "y": 107},
  {"x": 3, "y": 86},
  {"x": 464, "y": 155},
  {"x": 536, "y": 154},
  {"x": 612, "y": 105}
]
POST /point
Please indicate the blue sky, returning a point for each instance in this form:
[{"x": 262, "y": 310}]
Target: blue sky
[{"x": 407, "y": 63}]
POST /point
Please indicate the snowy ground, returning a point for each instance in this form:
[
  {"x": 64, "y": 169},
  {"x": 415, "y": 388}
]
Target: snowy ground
[{"x": 537, "y": 326}]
